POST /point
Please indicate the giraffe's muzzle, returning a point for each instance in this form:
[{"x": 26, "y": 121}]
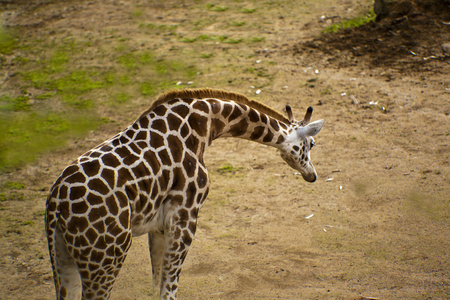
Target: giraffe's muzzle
[{"x": 310, "y": 177}]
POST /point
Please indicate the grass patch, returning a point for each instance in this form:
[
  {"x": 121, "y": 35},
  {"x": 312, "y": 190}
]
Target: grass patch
[
  {"x": 257, "y": 39},
  {"x": 248, "y": 10},
  {"x": 189, "y": 40},
  {"x": 8, "y": 42},
  {"x": 122, "y": 98},
  {"x": 206, "y": 55},
  {"x": 69, "y": 89},
  {"x": 237, "y": 24},
  {"x": 11, "y": 185},
  {"x": 213, "y": 7},
  {"x": 228, "y": 169},
  {"x": 158, "y": 28},
  {"x": 20, "y": 103},
  {"x": 352, "y": 23},
  {"x": 204, "y": 37},
  {"x": 24, "y": 136},
  {"x": 201, "y": 23},
  {"x": 233, "y": 41},
  {"x": 137, "y": 13}
]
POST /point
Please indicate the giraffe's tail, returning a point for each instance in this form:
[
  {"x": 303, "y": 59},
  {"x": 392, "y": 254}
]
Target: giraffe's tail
[{"x": 65, "y": 272}]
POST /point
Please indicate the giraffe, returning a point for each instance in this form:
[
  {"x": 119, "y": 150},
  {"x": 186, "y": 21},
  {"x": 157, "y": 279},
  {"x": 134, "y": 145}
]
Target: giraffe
[{"x": 151, "y": 179}]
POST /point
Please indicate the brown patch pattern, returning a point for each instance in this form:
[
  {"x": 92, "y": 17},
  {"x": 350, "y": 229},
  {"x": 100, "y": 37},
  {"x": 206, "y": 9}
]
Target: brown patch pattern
[{"x": 150, "y": 178}]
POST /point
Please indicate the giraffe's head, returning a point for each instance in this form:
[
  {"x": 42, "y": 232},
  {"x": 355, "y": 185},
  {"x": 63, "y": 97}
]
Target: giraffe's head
[{"x": 295, "y": 149}]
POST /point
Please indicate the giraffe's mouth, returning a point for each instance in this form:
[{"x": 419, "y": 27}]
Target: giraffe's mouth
[{"x": 310, "y": 177}]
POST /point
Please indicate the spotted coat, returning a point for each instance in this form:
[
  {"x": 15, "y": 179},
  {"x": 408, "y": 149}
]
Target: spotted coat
[{"x": 151, "y": 179}]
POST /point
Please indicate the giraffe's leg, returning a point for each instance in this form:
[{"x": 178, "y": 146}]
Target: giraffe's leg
[
  {"x": 178, "y": 237},
  {"x": 94, "y": 254},
  {"x": 156, "y": 243},
  {"x": 66, "y": 275},
  {"x": 99, "y": 268}
]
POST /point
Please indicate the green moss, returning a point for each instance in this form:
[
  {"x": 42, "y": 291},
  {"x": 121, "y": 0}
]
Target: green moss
[
  {"x": 237, "y": 24},
  {"x": 206, "y": 55},
  {"x": 147, "y": 88},
  {"x": 189, "y": 40},
  {"x": 352, "y": 23},
  {"x": 233, "y": 41},
  {"x": 228, "y": 168},
  {"x": 124, "y": 79},
  {"x": 7, "y": 41},
  {"x": 257, "y": 39},
  {"x": 70, "y": 78},
  {"x": 13, "y": 185},
  {"x": 158, "y": 29},
  {"x": 26, "y": 135},
  {"x": 213, "y": 7},
  {"x": 45, "y": 96},
  {"x": 58, "y": 61},
  {"x": 128, "y": 60},
  {"x": 248, "y": 10},
  {"x": 137, "y": 13},
  {"x": 123, "y": 98},
  {"x": 20, "y": 103}
]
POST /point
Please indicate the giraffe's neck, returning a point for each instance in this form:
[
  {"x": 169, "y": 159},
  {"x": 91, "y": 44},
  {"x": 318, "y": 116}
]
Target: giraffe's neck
[
  {"x": 198, "y": 122},
  {"x": 242, "y": 121}
]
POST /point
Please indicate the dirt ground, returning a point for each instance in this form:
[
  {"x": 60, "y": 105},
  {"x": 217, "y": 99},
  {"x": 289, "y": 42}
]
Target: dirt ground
[{"x": 375, "y": 225}]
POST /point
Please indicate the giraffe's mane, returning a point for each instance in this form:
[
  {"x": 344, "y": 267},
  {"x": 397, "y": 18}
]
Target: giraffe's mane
[{"x": 216, "y": 94}]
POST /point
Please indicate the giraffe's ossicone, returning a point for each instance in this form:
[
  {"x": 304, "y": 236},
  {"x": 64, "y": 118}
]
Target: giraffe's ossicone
[{"x": 151, "y": 179}]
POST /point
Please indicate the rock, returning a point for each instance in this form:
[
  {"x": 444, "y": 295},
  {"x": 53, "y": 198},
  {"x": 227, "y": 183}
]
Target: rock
[
  {"x": 380, "y": 9},
  {"x": 446, "y": 48},
  {"x": 393, "y": 8}
]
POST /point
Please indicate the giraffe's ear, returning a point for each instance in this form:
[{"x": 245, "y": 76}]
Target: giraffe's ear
[{"x": 311, "y": 129}]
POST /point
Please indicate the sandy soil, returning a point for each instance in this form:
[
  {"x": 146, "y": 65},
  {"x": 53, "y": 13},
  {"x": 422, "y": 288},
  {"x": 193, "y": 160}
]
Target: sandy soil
[{"x": 376, "y": 223}]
